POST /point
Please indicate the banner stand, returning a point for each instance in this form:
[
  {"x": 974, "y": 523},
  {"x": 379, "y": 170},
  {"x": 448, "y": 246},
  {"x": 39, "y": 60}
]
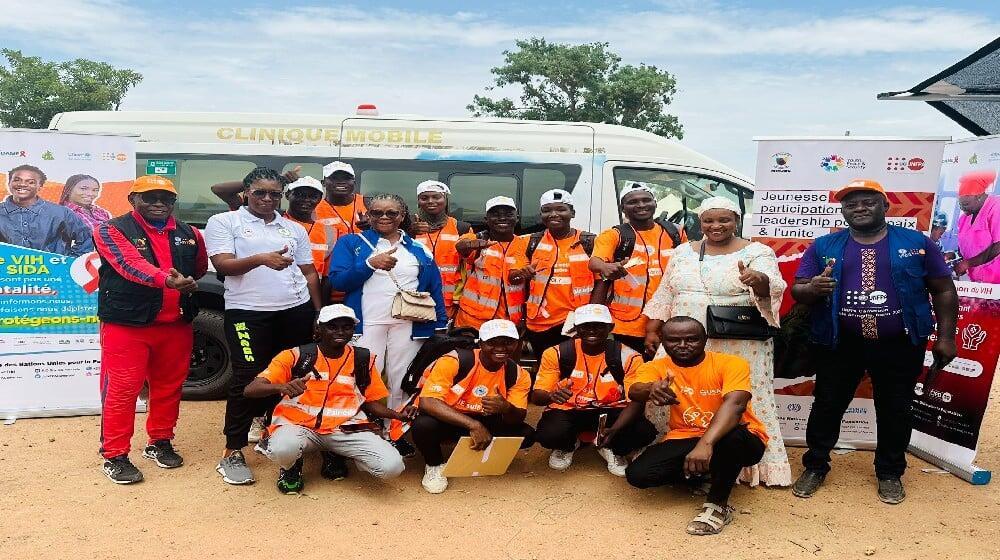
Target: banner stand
[{"x": 971, "y": 474}]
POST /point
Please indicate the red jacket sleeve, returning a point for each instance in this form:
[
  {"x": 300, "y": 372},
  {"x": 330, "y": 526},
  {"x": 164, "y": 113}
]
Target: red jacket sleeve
[{"x": 116, "y": 250}]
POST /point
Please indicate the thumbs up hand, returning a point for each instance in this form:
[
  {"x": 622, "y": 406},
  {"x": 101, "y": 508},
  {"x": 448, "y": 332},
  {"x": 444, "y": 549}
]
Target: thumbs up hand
[
  {"x": 181, "y": 283},
  {"x": 383, "y": 261},
  {"x": 563, "y": 393},
  {"x": 420, "y": 227},
  {"x": 278, "y": 260},
  {"x": 494, "y": 403},
  {"x": 823, "y": 284}
]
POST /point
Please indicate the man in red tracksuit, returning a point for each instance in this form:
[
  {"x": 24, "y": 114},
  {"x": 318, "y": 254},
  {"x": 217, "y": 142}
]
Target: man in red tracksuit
[{"x": 149, "y": 266}]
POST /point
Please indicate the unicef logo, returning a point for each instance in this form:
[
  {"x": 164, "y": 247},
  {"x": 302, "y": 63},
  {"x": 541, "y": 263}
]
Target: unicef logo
[{"x": 794, "y": 407}]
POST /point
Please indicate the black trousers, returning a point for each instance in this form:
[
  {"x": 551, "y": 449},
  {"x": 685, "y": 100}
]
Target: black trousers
[
  {"x": 663, "y": 463},
  {"x": 255, "y": 338},
  {"x": 560, "y": 429},
  {"x": 637, "y": 343},
  {"x": 894, "y": 366},
  {"x": 429, "y": 433}
]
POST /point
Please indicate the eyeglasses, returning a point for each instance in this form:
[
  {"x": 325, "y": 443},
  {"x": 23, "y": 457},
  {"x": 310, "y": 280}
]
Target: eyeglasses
[
  {"x": 154, "y": 197},
  {"x": 391, "y": 214},
  {"x": 264, "y": 193}
]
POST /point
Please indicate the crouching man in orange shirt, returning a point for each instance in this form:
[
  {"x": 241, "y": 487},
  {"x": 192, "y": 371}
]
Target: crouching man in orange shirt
[
  {"x": 712, "y": 430},
  {"x": 331, "y": 392}
]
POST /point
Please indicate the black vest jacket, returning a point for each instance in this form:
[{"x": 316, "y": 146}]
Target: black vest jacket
[{"x": 124, "y": 302}]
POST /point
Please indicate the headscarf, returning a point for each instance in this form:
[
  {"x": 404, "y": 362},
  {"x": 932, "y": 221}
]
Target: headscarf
[
  {"x": 976, "y": 182},
  {"x": 719, "y": 203}
]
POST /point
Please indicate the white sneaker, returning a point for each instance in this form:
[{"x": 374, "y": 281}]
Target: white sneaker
[
  {"x": 256, "y": 430},
  {"x": 434, "y": 480},
  {"x": 560, "y": 460},
  {"x": 616, "y": 463}
]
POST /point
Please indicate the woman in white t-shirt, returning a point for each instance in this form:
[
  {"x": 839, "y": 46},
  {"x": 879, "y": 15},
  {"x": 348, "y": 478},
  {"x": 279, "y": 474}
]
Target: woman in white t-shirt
[
  {"x": 360, "y": 267},
  {"x": 272, "y": 295}
]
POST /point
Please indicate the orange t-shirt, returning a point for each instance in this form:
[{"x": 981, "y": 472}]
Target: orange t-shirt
[
  {"x": 513, "y": 252},
  {"x": 558, "y": 300},
  {"x": 700, "y": 390},
  {"x": 584, "y": 377},
  {"x": 318, "y": 240},
  {"x": 336, "y": 383},
  {"x": 343, "y": 217},
  {"x": 440, "y": 384},
  {"x": 658, "y": 244}
]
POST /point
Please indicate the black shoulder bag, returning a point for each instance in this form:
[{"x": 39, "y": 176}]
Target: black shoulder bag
[{"x": 733, "y": 321}]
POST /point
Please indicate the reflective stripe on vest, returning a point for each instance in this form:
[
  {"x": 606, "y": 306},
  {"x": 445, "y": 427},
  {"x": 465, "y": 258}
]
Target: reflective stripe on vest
[
  {"x": 633, "y": 291},
  {"x": 580, "y": 278},
  {"x": 483, "y": 288},
  {"x": 447, "y": 258}
]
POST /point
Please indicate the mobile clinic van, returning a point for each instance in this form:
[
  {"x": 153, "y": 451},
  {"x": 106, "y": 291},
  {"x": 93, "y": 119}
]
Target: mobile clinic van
[{"x": 477, "y": 158}]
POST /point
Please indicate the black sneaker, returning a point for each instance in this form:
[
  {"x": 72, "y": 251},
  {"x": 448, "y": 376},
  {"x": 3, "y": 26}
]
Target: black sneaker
[
  {"x": 121, "y": 471},
  {"x": 290, "y": 481},
  {"x": 334, "y": 466},
  {"x": 808, "y": 483},
  {"x": 162, "y": 452},
  {"x": 890, "y": 490},
  {"x": 405, "y": 448}
]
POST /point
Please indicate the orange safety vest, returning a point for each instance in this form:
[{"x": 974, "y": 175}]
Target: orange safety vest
[
  {"x": 326, "y": 403},
  {"x": 543, "y": 260},
  {"x": 442, "y": 246},
  {"x": 633, "y": 291},
  {"x": 327, "y": 214},
  {"x": 322, "y": 238},
  {"x": 597, "y": 388},
  {"x": 488, "y": 282}
]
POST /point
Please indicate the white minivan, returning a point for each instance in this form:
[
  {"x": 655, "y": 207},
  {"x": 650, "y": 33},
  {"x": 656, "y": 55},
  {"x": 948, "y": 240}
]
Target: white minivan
[{"x": 477, "y": 158}]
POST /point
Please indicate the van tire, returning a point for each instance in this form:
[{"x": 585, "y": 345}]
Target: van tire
[{"x": 211, "y": 367}]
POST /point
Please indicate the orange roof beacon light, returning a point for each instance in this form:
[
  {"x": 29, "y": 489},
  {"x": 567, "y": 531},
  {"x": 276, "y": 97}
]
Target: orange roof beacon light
[{"x": 368, "y": 109}]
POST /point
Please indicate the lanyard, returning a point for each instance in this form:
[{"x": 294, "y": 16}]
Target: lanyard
[{"x": 329, "y": 382}]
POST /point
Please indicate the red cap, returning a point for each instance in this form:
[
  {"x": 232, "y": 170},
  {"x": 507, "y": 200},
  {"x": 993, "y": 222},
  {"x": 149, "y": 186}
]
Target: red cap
[{"x": 976, "y": 182}]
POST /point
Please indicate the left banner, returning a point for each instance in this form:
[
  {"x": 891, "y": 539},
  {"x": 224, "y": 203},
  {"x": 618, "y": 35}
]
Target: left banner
[{"x": 56, "y": 188}]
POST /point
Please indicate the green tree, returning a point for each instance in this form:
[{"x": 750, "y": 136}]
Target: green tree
[
  {"x": 587, "y": 82},
  {"x": 32, "y": 90}
]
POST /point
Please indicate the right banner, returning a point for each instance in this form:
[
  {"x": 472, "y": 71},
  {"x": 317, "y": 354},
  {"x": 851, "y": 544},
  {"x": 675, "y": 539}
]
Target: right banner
[
  {"x": 793, "y": 205},
  {"x": 966, "y": 225}
]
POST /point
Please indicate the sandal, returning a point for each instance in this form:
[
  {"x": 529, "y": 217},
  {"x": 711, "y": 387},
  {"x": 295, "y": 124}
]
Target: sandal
[{"x": 711, "y": 520}]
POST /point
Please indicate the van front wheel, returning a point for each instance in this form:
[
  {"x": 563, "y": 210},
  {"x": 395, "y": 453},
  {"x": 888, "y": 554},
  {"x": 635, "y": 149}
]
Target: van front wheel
[{"x": 211, "y": 368}]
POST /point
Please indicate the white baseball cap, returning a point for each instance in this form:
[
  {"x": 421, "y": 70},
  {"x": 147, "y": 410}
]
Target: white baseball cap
[
  {"x": 500, "y": 201},
  {"x": 592, "y": 313},
  {"x": 334, "y": 166},
  {"x": 556, "y": 195},
  {"x": 634, "y": 187},
  {"x": 306, "y": 182},
  {"x": 433, "y": 186},
  {"x": 336, "y": 311},
  {"x": 496, "y": 328}
]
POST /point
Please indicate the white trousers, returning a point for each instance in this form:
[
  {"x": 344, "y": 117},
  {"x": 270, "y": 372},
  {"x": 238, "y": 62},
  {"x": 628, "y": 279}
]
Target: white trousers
[
  {"x": 370, "y": 452},
  {"x": 394, "y": 351}
]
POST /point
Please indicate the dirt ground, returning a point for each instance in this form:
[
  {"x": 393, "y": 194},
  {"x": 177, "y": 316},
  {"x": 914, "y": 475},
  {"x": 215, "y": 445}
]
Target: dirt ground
[{"x": 56, "y": 503}]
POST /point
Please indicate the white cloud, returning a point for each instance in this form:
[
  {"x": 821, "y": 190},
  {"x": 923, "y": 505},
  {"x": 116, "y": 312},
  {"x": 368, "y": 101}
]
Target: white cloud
[{"x": 741, "y": 72}]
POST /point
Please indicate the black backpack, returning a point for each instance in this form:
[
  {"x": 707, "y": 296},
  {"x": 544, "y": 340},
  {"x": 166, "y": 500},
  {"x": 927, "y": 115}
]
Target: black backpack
[
  {"x": 463, "y": 227},
  {"x": 612, "y": 358},
  {"x": 586, "y": 241},
  {"x": 433, "y": 348},
  {"x": 626, "y": 234},
  {"x": 306, "y": 364}
]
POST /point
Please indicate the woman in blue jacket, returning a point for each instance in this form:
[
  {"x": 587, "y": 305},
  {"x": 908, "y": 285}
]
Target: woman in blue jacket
[{"x": 360, "y": 267}]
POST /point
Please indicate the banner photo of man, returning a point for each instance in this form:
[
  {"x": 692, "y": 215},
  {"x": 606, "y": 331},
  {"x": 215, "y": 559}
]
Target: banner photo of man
[
  {"x": 55, "y": 188},
  {"x": 949, "y": 410},
  {"x": 794, "y": 204}
]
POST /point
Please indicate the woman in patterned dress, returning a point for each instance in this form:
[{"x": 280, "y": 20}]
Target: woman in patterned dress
[{"x": 734, "y": 271}]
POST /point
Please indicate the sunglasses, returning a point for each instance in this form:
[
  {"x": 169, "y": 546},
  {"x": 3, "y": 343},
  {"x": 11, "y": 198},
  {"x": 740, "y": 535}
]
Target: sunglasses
[
  {"x": 154, "y": 197},
  {"x": 391, "y": 214},
  {"x": 264, "y": 193}
]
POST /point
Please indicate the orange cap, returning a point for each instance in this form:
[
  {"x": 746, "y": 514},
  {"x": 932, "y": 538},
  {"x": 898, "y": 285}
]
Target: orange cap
[
  {"x": 859, "y": 185},
  {"x": 148, "y": 183},
  {"x": 976, "y": 182}
]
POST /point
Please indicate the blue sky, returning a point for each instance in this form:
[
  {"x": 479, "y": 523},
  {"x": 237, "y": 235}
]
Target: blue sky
[{"x": 744, "y": 69}]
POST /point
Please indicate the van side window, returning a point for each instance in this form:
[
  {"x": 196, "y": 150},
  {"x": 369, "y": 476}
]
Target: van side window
[
  {"x": 678, "y": 194},
  {"x": 403, "y": 183},
  {"x": 194, "y": 179},
  {"x": 469, "y": 193},
  {"x": 537, "y": 181},
  {"x": 309, "y": 169}
]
